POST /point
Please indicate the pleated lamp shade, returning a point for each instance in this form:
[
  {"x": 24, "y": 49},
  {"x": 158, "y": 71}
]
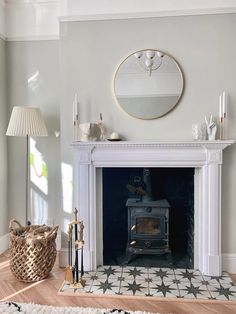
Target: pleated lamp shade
[{"x": 26, "y": 121}]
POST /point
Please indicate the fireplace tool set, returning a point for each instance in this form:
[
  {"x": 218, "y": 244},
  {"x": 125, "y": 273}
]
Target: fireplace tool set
[{"x": 75, "y": 272}]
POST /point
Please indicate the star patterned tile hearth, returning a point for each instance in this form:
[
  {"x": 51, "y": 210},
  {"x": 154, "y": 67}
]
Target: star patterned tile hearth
[{"x": 154, "y": 282}]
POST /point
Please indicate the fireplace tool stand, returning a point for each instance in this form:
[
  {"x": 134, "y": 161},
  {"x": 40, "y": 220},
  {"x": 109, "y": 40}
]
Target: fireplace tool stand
[{"x": 75, "y": 272}]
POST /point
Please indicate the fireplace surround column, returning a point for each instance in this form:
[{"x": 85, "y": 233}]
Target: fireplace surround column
[
  {"x": 85, "y": 177},
  {"x": 210, "y": 237}
]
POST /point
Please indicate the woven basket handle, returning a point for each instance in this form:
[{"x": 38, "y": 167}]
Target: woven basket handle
[
  {"x": 12, "y": 222},
  {"x": 52, "y": 231}
]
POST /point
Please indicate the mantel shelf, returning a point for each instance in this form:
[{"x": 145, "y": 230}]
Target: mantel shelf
[{"x": 217, "y": 144}]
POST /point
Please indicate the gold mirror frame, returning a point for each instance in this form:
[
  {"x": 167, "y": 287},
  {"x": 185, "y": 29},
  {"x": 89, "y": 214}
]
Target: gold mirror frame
[{"x": 173, "y": 65}]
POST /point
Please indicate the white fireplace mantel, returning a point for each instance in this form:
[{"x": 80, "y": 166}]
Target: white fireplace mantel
[{"x": 204, "y": 156}]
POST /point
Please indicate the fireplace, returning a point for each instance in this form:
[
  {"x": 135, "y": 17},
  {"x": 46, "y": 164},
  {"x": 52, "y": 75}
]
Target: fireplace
[{"x": 204, "y": 156}]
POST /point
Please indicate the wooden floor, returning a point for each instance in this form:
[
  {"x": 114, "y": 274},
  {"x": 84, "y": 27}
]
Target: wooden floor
[{"x": 45, "y": 292}]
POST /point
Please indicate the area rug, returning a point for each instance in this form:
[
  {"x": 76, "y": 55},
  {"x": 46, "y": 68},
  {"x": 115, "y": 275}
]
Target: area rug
[
  {"x": 27, "y": 308},
  {"x": 154, "y": 282}
]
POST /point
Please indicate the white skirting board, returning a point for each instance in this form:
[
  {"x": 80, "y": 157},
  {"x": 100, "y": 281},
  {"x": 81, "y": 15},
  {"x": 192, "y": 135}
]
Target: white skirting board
[
  {"x": 229, "y": 263},
  {"x": 4, "y": 243}
]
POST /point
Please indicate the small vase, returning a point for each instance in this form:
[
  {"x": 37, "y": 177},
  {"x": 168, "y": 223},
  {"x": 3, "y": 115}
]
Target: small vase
[{"x": 198, "y": 131}]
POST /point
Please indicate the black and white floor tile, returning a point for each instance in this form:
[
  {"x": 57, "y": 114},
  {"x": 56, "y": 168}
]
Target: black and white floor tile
[{"x": 155, "y": 282}]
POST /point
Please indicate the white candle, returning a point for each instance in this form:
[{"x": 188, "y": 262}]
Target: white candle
[
  {"x": 220, "y": 107},
  {"x": 76, "y": 106},
  {"x": 73, "y": 111},
  {"x": 224, "y": 105}
]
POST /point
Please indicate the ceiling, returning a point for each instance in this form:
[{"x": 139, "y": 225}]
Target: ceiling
[{"x": 38, "y": 19}]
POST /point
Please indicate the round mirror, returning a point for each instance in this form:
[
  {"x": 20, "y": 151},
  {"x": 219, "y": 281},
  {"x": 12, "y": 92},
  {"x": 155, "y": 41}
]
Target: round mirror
[{"x": 148, "y": 84}]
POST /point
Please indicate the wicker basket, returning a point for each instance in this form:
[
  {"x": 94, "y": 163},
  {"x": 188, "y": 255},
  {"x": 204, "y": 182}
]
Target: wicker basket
[{"x": 33, "y": 251}]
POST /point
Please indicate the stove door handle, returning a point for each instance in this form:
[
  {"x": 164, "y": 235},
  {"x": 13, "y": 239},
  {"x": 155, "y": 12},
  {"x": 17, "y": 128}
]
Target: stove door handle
[{"x": 133, "y": 227}]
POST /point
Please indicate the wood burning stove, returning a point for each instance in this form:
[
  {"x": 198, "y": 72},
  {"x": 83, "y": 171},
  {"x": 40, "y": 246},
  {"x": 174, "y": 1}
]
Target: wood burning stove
[{"x": 148, "y": 227}]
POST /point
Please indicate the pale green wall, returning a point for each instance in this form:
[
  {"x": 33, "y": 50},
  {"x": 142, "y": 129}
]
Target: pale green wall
[
  {"x": 205, "y": 48},
  {"x": 3, "y": 142},
  {"x": 27, "y": 88}
]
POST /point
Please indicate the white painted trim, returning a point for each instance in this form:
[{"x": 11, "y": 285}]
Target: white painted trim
[
  {"x": 32, "y": 38},
  {"x": 21, "y": 24},
  {"x": 229, "y": 263},
  {"x": 139, "y": 15},
  {"x": 4, "y": 243}
]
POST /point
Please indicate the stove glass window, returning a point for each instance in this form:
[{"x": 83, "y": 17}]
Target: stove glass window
[{"x": 148, "y": 225}]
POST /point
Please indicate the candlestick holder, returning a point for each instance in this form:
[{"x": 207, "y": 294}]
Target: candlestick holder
[
  {"x": 223, "y": 123},
  {"x": 76, "y": 135},
  {"x": 75, "y": 272},
  {"x": 221, "y": 128}
]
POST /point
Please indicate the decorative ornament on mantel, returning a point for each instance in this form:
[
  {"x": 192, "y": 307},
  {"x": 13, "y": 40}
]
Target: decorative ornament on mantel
[
  {"x": 199, "y": 131},
  {"x": 211, "y": 128},
  {"x": 86, "y": 132},
  {"x": 90, "y": 132},
  {"x": 114, "y": 137},
  {"x": 102, "y": 128}
]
